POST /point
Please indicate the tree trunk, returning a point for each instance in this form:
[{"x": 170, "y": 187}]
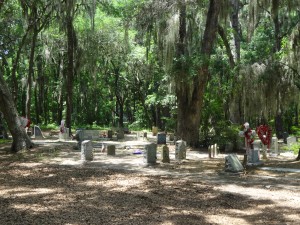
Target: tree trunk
[
  {"x": 277, "y": 47},
  {"x": 236, "y": 28},
  {"x": 15, "y": 64},
  {"x": 39, "y": 91},
  {"x": 70, "y": 69},
  {"x": 190, "y": 96},
  {"x": 235, "y": 108},
  {"x": 7, "y": 106},
  {"x": 30, "y": 73}
]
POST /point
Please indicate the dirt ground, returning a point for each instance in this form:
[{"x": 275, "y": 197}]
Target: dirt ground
[{"x": 51, "y": 185}]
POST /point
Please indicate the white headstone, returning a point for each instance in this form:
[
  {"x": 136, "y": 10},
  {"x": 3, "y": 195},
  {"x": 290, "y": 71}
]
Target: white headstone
[
  {"x": 87, "y": 150},
  {"x": 274, "y": 146},
  {"x": 180, "y": 150},
  {"x": 291, "y": 140}
]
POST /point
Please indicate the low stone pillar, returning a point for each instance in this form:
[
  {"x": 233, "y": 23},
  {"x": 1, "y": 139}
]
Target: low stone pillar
[
  {"x": 180, "y": 150},
  {"x": 154, "y": 131},
  {"x": 214, "y": 150},
  {"x": 171, "y": 137},
  {"x": 275, "y": 149},
  {"x": 145, "y": 135},
  {"x": 209, "y": 151},
  {"x": 111, "y": 150},
  {"x": 165, "y": 154},
  {"x": 264, "y": 152},
  {"x": 150, "y": 154},
  {"x": 87, "y": 150}
]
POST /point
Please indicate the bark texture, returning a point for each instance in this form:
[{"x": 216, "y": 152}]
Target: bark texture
[
  {"x": 7, "y": 106},
  {"x": 190, "y": 92}
]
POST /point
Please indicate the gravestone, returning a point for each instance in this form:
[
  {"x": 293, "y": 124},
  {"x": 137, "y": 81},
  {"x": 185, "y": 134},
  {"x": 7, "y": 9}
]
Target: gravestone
[
  {"x": 209, "y": 151},
  {"x": 215, "y": 150},
  {"x": 140, "y": 135},
  {"x": 145, "y": 135},
  {"x": 87, "y": 150},
  {"x": 274, "y": 146},
  {"x": 120, "y": 134},
  {"x": 171, "y": 137},
  {"x": 257, "y": 144},
  {"x": 64, "y": 134},
  {"x": 111, "y": 150},
  {"x": 232, "y": 164},
  {"x": 165, "y": 154},
  {"x": 253, "y": 157},
  {"x": 180, "y": 150},
  {"x": 154, "y": 131},
  {"x": 291, "y": 140},
  {"x": 37, "y": 133},
  {"x": 150, "y": 153},
  {"x": 109, "y": 134},
  {"x": 161, "y": 139},
  {"x": 212, "y": 151}
]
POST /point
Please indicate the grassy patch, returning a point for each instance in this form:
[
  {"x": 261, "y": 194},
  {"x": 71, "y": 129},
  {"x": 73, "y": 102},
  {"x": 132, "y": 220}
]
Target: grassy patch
[{"x": 293, "y": 147}]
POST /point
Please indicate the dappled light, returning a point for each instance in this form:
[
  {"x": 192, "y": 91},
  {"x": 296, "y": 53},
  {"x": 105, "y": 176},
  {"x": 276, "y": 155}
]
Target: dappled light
[
  {"x": 151, "y": 112},
  {"x": 198, "y": 191}
]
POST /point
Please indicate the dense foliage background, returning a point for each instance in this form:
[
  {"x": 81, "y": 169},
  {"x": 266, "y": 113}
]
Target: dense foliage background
[{"x": 116, "y": 62}]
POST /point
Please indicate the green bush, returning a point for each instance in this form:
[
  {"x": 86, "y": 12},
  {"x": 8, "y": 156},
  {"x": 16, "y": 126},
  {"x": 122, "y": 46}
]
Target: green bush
[
  {"x": 295, "y": 130},
  {"x": 293, "y": 147}
]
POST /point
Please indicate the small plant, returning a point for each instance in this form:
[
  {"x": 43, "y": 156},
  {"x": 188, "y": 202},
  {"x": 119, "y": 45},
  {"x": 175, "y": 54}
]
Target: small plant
[
  {"x": 5, "y": 141},
  {"x": 293, "y": 147}
]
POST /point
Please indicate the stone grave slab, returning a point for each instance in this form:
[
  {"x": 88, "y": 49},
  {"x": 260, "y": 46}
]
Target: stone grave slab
[
  {"x": 180, "y": 150},
  {"x": 111, "y": 150},
  {"x": 232, "y": 164},
  {"x": 165, "y": 154},
  {"x": 150, "y": 153},
  {"x": 37, "y": 132},
  {"x": 291, "y": 140}
]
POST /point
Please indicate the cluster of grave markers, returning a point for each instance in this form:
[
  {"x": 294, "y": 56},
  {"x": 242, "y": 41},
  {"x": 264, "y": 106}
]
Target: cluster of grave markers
[{"x": 149, "y": 153}]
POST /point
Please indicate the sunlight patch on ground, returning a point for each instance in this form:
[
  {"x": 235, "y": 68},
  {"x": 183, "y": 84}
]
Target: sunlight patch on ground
[
  {"x": 223, "y": 219},
  {"x": 21, "y": 192}
]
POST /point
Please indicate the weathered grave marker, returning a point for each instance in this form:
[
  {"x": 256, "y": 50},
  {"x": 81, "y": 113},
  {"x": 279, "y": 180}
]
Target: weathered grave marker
[
  {"x": 87, "y": 150},
  {"x": 171, "y": 137},
  {"x": 165, "y": 154},
  {"x": 154, "y": 131},
  {"x": 290, "y": 141},
  {"x": 161, "y": 139},
  {"x": 37, "y": 133},
  {"x": 180, "y": 150},
  {"x": 111, "y": 150},
  {"x": 275, "y": 149},
  {"x": 150, "y": 153},
  {"x": 120, "y": 134},
  {"x": 109, "y": 134},
  {"x": 232, "y": 164}
]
